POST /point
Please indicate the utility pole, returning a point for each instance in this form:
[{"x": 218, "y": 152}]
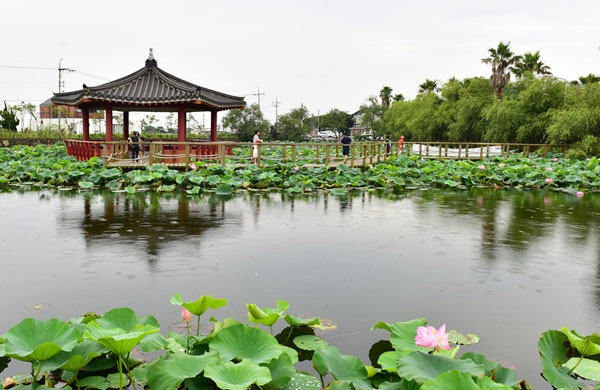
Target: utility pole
[
  {"x": 276, "y": 105},
  {"x": 61, "y": 84},
  {"x": 318, "y": 121},
  {"x": 258, "y": 95}
]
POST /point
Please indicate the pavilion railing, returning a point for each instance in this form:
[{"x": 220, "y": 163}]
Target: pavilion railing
[{"x": 183, "y": 154}]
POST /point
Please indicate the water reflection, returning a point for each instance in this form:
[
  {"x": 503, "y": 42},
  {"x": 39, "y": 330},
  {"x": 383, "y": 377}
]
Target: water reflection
[{"x": 148, "y": 220}]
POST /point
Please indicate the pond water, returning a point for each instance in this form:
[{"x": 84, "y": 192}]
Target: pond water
[{"x": 506, "y": 265}]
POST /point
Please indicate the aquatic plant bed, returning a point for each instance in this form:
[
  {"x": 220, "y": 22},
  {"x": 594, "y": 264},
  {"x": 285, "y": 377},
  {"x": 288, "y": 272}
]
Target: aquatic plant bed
[
  {"x": 95, "y": 352},
  {"x": 51, "y": 166}
]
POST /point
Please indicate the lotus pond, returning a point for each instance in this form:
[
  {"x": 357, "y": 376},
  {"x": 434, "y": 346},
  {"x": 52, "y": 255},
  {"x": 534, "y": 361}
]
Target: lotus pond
[{"x": 506, "y": 265}]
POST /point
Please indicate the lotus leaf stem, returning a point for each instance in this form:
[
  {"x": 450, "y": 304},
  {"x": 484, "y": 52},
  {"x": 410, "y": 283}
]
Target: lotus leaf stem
[
  {"x": 198, "y": 327},
  {"x": 289, "y": 334},
  {"x": 322, "y": 381},
  {"x": 129, "y": 372},
  {"x": 187, "y": 327},
  {"x": 576, "y": 364},
  {"x": 120, "y": 372}
]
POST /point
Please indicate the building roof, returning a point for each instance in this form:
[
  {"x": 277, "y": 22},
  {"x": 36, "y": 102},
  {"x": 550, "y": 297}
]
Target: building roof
[{"x": 150, "y": 86}]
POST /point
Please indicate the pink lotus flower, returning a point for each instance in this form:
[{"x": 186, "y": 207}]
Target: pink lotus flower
[
  {"x": 481, "y": 167},
  {"x": 429, "y": 337},
  {"x": 186, "y": 316},
  {"x": 296, "y": 169},
  {"x": 579, "y": 194},
  {"x": 549, "y": 169},
  {"x": 548, "y": 180},
  {"x": 501, "y": 165},
  {"x": 555, "y": 159},
  {"x": 193, "y": 167}
]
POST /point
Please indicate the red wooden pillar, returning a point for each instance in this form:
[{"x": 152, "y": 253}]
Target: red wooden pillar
[
  {"x": 213, "y": 126},
  {"x": 181, "y": 126},
  {"x": 85, "y": 113},
  {"x": 109, "y": 124},
  {"x": 125, "y": 124}
]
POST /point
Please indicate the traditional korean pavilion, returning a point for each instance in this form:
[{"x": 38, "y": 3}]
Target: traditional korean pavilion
[{"x": 148, "y": 89}]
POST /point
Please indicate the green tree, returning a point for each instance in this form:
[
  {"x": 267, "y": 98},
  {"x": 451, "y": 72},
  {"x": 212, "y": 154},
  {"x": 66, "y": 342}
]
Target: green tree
[
  {"x": 385, "y": 95},
  {"x": 295, "y": 125},
  {"x": 336, "y": 120},
  {"x": 246, "y": 122},
  {"x": 398, "y": 97},
  {"x": 501, "y": 59},
  {"x": 372, "y": 116},
  {"x": 530, "y": 62},
  {"x": 589, "y": 79},
  {"x": 8, "y": 119},
  {"x": 429, "y": 86}
]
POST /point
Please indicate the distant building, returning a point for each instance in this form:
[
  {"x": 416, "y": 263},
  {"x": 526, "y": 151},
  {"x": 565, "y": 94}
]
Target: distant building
[
  {"x": 358, "y": 128},
  {"x": 70, "y": 117}
]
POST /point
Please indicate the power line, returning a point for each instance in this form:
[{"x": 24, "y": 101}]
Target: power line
[
  {"x": 91, "y": 75},
  {"x": 258, "y": 95},
  {"x": 25, "y": 67}
]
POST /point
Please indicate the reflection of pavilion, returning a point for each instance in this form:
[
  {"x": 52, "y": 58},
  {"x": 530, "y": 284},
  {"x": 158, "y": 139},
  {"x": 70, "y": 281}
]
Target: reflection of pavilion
[{"x": 150, "y": 220}]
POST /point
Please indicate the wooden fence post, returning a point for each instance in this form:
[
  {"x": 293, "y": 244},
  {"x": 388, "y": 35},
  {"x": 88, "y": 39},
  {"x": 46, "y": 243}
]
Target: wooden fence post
[
  {"x": 283, "y": 152},
  {"x": 327, "y": 155},
  {"x": 352, "y": 154},
  {"x": 459, "y": 150},
  {"x": 187, "y": 156},
  {"x": 294, "y": 154}
]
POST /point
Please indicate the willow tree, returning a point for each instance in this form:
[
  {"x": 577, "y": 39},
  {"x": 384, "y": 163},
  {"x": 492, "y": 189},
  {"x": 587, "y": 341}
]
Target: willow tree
[
  {"x": 530, "y": 62},
  {"x": 501, "y": 59}
]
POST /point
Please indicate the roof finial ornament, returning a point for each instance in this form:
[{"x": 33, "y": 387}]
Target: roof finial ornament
[{"x": 150, "y": 61}]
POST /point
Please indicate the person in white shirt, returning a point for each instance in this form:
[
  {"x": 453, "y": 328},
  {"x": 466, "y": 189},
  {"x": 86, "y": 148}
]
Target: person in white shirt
[{"x": 256, "y": 140}]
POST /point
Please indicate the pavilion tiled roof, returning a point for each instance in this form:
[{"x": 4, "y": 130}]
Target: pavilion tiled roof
[{"x": 150, "y": 86}]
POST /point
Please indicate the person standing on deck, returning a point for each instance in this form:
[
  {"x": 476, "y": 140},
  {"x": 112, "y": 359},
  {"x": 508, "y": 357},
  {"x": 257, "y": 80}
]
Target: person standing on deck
[
  {"x": 346, "y": 141},
  {"x": 401, "y": 144},
  {"x": 388, "y": 145},
  {"x": 135, "y": 147},
  {"x": 255, "y": 140}
]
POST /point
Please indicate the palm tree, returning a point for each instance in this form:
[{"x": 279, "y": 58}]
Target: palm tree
[
  {"x": 429, "y": 86},
  {"x": 589, "y": 79},
  {"x": 386, "y": 95},
  {"x": 501, "y": 59},
  {"x": 530, "y": 62},
  {"x": 398, "y": 97}
]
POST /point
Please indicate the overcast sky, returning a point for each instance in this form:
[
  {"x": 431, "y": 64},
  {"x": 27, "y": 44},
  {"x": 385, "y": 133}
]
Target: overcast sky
[{"x": 324, "y": 54}]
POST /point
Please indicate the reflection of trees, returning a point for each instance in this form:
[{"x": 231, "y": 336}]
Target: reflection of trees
[
  {"x": 149, "y": 220},
  {"x": 529, "y": 216}
]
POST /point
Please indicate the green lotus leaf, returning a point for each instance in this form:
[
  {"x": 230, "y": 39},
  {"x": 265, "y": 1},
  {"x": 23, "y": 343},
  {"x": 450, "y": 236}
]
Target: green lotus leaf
[
  {"x": 33, "y": 340},
  {"x": 201, "y": 305},
  {"x": 194, "y": 191},
  {"x": 310, "y": 342},
  {"x": 340, "y": 385},
  {"x": 500, "y": 373},
  {"x": 282, "y": 371},
  {"x": 297, "y": 321},
  {"x": 171, "y": 369},
  {"x": 401, "y": 385},
  {"x": 115, "y": 380},
  {"x": 86, "y": 185},
  {"x": 342, "y": 367},
  {"x": 120, "y": 330},
  {"x": 140, "y": 373},
  {"x": 35, "y": 386},
  {"x": 389, "y": 360},
  {"x": 227, "y": 322},
  {"x": 586, "y": 345},
  {"x": 130, "y": 190},
  {"x": 266, "y": 316},
  {"x": 462, "y": 339},
  {"x": 94, "y": 382},
  {"x": 292, "y": 353},
  {"x": 231, "y": 376},
  {"x": 153, "y": 342},
  {"x": 243, "y": 342},
  {"x": 586, "y": 368},
  {"x": 76, "y": 359},
  {"x": 553, "y": 355},
  {"x": 486, "y": 383},
  {"x": 451, "y": 380},
  {"x": 223, "y": 189},
  {"x": 419, "y": 366},
  {"x": 303, "y": 381},
  {"x": 403, "y": 334}
]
